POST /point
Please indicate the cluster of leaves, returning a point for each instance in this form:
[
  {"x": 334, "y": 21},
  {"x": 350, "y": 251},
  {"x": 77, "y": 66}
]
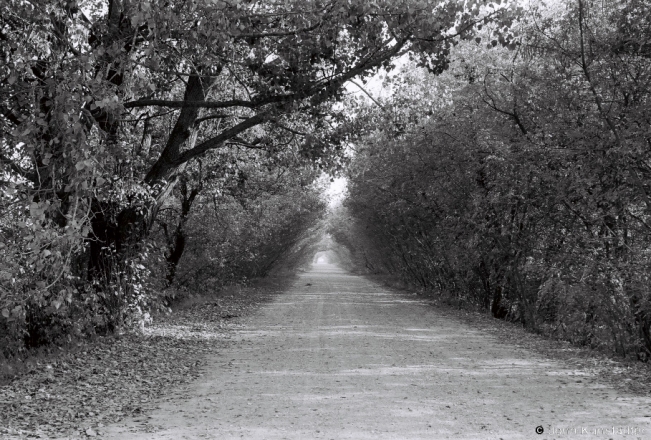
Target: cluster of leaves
[{"x": 518, "y": 181}]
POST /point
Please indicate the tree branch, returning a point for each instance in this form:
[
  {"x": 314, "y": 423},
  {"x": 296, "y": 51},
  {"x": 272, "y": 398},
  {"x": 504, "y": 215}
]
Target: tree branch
[
  {"x": 218, "y": 140},
  {"x": 278, "y": 34},
  {"x": 215, "y": 116},
  {"x": 319, "y": 92},
  {"x": 291, "y": 130},
  {"x": 328, "y": 86},
  {"x": 368, "y": 94},
  {"x": 513, "y": 115},
  {"x": 195, "y": 90},
  {"x": 193, "y": 104},
  {"x": 588, "y": 77}
]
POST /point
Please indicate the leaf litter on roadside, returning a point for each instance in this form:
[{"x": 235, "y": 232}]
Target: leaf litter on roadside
[{"x": 75, "y": 394}]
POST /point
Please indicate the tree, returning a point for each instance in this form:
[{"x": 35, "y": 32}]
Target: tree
[
  {"x": 521, "y": 185},
  {"x": 104, "y": 104},
  {"x": 98, "y": 71}
]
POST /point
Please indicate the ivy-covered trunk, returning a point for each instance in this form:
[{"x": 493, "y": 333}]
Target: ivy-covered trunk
[{"x": 115, "y": 233}]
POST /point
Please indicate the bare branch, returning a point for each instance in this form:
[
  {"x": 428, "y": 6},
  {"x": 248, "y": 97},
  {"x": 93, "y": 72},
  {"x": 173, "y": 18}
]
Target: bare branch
[
  {"x": 513, "y": 115},
  {"x": 368, "y": 94},
  {"x": 216, "y": 116},
  {"x": 218, "y": 140},
  {"x": 190, "y": 104}
]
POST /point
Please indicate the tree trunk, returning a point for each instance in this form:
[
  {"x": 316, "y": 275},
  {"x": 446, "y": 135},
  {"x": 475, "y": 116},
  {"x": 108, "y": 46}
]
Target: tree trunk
[
  {"x": 178, "y": 240},
  {"x": 114, "y": 235},
  {"x": 497, "y": 308},
  {"x": 176, "y": 252}
]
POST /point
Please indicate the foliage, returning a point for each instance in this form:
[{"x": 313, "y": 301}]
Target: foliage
[
  {"x": 518, "y": 180},
  {"x": 242, "y": 232},
  {"x": 107, "y": 106}
]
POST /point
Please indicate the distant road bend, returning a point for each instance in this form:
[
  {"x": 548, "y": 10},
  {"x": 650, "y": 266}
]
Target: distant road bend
[{"x": 339, "y": 357}]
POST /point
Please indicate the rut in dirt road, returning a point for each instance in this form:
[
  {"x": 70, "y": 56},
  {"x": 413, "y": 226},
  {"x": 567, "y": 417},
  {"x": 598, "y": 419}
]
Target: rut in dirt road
[{"x": 339, "y": 357}]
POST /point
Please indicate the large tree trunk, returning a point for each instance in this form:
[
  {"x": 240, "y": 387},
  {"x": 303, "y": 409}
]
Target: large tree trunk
[
  {"x": 178, "y": 239},
  {"x": 169, "y": 160},
  {"x": 115, "y": 234}
]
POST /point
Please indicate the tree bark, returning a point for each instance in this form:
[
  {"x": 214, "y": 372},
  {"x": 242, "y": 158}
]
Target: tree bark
[{"x": 178, "y": 240}]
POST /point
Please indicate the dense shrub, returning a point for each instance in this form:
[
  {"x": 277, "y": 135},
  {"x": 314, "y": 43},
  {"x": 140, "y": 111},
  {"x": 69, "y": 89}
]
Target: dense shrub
[{"x": 517, "y": 181}]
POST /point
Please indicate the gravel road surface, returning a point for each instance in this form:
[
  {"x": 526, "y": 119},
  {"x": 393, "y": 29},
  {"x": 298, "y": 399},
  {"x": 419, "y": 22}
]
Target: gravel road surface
[{"x": 340, "y": 357}]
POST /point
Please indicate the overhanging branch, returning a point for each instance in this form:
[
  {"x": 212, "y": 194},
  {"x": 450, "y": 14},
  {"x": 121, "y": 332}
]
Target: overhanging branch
[{"x": 318, "y": 92}]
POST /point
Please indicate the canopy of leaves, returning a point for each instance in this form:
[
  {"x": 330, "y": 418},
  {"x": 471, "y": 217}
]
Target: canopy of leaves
[{"x": 112, "y": 111}]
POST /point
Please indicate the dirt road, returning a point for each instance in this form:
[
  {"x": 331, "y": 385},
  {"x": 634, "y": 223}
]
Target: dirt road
[{"x": 338, "y": 357}]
